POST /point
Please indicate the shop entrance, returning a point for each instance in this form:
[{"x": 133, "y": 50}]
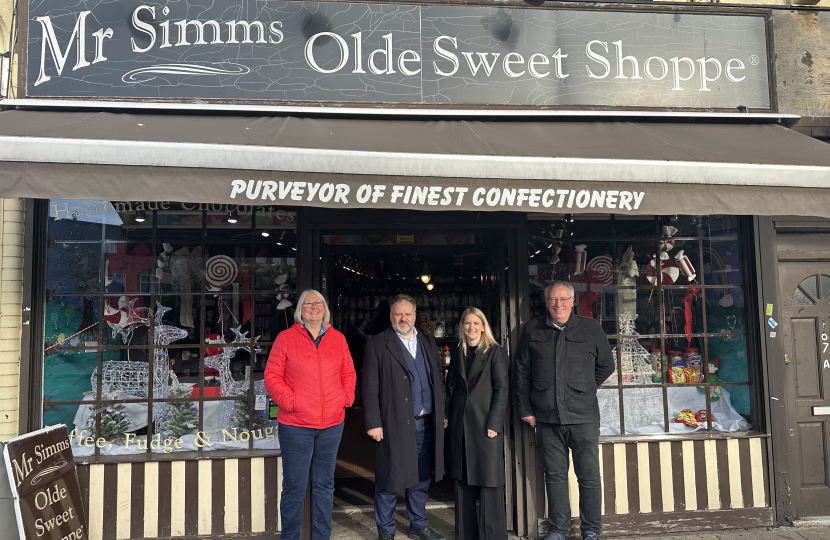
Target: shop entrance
[
  {"x": 805, "y": 291},
  {"x": 445, "y": 272}
]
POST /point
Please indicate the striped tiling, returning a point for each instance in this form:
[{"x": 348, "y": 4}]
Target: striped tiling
[
  {"x": 181, "y": 498},
  {"x": 678, "y": 476}
]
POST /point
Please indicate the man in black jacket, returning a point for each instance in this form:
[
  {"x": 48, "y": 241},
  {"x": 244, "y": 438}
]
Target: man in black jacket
[
  {"x": 561, "y": 361},
  {"x": 403, "y": 407}
]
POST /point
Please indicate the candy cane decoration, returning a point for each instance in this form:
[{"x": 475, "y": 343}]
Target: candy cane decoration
[
  {"x": 668, "y": 272},
  {"x": 221, "y": 271}
]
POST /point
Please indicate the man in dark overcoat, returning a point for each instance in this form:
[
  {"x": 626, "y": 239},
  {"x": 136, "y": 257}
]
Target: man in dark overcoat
[{"x": 403, "y": 405}]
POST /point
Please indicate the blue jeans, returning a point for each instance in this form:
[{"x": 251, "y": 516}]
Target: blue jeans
[
  {"x": 303, "y": 449},
  {"x": 416, "y": 496},
  {"x": 583, "y": 442}
]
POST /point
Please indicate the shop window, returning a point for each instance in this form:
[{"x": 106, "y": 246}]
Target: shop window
[
  {"x": 669, "y": 292},
  {"x": 159, "y": 318}
]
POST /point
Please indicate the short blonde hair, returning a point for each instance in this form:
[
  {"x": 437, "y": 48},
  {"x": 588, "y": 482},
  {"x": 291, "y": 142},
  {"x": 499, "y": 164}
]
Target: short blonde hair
[
  {"x": 487, "y": 340},
  {"x": 298, "y": 313}
]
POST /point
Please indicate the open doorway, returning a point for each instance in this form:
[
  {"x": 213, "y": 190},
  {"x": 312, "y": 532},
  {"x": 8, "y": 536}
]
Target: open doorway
[{"x": 445, "y": 273}]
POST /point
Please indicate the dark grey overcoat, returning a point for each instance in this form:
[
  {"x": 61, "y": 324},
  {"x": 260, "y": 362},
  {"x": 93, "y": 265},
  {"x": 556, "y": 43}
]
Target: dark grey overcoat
[
  {"x": 476, "y": 402},
  {"x": 387, "y": 403}
]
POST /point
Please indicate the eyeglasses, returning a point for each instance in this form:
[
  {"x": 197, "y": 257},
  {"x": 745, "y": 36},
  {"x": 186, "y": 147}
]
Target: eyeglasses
[
  {"x": 558, "y": 300},
  {"x": 312, "y": 304}
]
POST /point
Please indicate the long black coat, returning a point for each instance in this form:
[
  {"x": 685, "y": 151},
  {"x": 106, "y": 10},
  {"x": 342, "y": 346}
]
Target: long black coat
[
  {"x": 476, "y": 402},
  {"x": 387, "y": 403}
]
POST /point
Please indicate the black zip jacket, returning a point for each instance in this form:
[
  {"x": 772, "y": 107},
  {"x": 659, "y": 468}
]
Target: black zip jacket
[{"x": 556, "y": 380}]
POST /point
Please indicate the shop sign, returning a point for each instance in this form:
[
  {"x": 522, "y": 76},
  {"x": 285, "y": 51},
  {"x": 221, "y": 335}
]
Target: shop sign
[
  {"x": 44, "y": 486},
  {"x": 431, "y": 55},
  {"x": 445, "y": 197}
]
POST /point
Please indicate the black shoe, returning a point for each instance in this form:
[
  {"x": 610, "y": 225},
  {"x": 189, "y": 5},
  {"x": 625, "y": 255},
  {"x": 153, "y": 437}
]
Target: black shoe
[
  {"x": 386, "y": 536},
  {"x": 427, "y": 533}
]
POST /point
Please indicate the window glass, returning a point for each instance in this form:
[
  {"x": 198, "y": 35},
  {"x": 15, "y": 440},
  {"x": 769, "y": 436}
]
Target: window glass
[
  {"x": 669, "y": 293},
  {"x": 157, "y": 311}
]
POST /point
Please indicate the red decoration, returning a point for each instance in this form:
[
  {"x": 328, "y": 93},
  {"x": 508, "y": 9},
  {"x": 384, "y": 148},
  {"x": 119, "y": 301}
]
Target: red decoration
[
  {"x": 685, "y": 266},
  {"x": 580, "y": 259}
]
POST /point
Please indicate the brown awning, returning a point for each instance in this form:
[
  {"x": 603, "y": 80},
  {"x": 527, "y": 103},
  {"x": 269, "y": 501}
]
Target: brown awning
[{"x": 533, "y": 166}]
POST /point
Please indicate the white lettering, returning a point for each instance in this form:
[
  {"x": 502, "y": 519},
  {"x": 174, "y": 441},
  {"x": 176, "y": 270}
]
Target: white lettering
[
  {"x": 474, "y": 67},
  {"x": 237, "y": 187},
  {"x": 704, "y": 79},
  {"x": 738, "y": 64},
  {"x": 309, "y": 53},
  {"x": 677, "y": 78},
  {"x": 597, "y": 58},
  {"x": 507, "y": 61},
  {"x": 143, "y": 27},
  {"x": 443, "y": 53},
  {"x": 58, "y": 57},
  {"x": 538, "y": 59}
]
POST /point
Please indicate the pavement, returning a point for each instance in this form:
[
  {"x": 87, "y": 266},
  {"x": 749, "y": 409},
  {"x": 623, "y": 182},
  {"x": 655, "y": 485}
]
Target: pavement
[{"x": 360, "y": 525}]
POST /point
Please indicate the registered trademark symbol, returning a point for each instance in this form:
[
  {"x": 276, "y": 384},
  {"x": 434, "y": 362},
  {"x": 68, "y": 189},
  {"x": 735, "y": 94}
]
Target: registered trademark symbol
[{"x": 754, "y": 60}]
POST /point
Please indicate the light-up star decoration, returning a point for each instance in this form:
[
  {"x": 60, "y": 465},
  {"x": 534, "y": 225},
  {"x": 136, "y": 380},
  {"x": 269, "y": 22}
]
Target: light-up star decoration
[
  {"x": 221, "y": 362},
  {"x": 127, "y": 318}
]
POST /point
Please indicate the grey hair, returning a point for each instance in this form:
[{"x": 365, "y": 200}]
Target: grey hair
[
  {"x": 404, "y": 298},
  {"x": 559, "y": 283},
  {"x": 298, "y": 313}
]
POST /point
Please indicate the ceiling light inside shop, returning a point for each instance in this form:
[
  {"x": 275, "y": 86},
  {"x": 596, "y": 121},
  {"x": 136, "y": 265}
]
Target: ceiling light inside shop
[
  {"x": 232, "y": 217},
  {"x": 140, "y": 216},
  {"x": 266, "y": 234},
  {"x": 430, "y": 286}
]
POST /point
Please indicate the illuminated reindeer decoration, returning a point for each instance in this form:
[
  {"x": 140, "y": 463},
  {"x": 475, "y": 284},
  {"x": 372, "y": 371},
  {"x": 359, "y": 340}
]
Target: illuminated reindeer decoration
[
  {"x": 221, "y": 361},
  {"x": 131, "y": 377}
]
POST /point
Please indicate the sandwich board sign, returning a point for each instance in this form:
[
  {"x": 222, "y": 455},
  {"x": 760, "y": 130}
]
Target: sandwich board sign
[{"x": 44, "y": 486}]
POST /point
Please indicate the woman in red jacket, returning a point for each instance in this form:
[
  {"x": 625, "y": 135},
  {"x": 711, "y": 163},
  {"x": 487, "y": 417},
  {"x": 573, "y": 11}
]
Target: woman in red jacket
[{"x": 311, "y": 376}]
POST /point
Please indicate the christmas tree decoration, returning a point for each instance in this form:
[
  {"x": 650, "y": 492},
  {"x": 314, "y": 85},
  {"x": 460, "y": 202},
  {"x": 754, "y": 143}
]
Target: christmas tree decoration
[
  {"x": 180, "y": 417},
  {"x": 241, "y": 412},
  {"x": 113, "y": 421}
]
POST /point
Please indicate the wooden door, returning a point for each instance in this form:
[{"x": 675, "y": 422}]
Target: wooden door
[{"x": 804, "y": 328}]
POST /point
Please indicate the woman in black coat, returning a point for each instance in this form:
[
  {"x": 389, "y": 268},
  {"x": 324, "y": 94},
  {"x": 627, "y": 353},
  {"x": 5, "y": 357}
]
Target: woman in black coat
[{"x": 477, "y": 389}]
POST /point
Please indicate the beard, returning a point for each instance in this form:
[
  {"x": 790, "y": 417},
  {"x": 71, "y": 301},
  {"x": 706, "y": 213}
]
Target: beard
[{"x": 403, "y": 328}]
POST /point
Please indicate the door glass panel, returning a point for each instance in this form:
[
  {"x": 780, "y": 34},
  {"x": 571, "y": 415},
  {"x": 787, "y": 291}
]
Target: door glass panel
[
  {"x": 825, "y": 287},
  {"x": 811, "y": 286},
  {"x": 801, "y": 299}
]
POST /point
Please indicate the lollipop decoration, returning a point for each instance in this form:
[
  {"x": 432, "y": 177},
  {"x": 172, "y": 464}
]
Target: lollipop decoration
[
  {"x": 600, "y": 270},
  {"x": 221, "y": 271}
]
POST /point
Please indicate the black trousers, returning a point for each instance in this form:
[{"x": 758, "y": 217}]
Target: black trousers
[{"x": 490, "y": 522}]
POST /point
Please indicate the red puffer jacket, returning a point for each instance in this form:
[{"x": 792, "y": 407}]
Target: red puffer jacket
[{"x": 311, "y": 385}]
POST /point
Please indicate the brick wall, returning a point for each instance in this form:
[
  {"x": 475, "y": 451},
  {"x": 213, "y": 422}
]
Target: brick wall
[{"x": 11, "y": 292}]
